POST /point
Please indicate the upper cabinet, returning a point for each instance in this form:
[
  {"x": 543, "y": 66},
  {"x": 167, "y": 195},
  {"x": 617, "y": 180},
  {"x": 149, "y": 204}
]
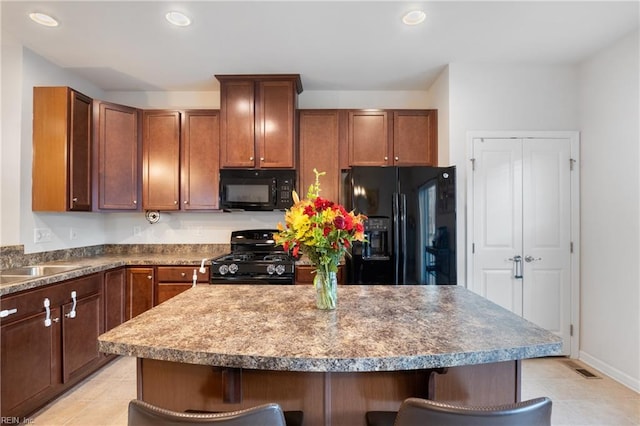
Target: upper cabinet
[
  {"x": 392, "y": 138},
  {"x": 61, "y": 150},
  {"x": 320, "y": 132},
  {"x": 200, "y": 159},
  {"x": 180, "y": 160},
  {"x": 415, "y": 137},
  {"x": 118, "y": 156},
  {"x": 258, "y": 120}
]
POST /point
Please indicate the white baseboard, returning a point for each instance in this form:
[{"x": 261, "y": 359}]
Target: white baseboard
[{"x": 631, "y": 382}]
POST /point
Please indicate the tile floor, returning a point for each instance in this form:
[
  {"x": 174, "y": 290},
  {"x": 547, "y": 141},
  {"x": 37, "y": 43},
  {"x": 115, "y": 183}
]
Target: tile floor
[{"x": 102, "y": 399}]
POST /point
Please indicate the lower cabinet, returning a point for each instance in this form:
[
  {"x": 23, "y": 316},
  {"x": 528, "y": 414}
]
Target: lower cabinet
[
  {"x": 305, "y": 274},
  {"x": 139, "y": 296},
  {"x": 173, "y": 280},
  {"x": 48, "y": 342},
  {"x": 115, "y": 295}
]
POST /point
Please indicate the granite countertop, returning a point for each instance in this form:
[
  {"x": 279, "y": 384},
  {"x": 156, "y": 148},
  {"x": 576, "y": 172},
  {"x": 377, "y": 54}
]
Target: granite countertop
[
  {"x": 375, "y": 328},
  {"x": 91, "y": 264}
]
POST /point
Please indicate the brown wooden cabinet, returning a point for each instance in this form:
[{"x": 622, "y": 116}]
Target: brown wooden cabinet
[
  {"x": 415, "y": 137},
  {"x": 173, "y": 280},
  {"x": 180, "y": 160},
  {"x": 258, "y": 120},
  {"x": 48, "y": 342},
  {"x": 139, "y": 297},
  {"x": 200, "y": 159},
  {"x": 392, "y": 138},
  {"x": 115, "y": 292},
  {"x": 61, "y": 167},
  {"x": 305, "y": 274},
  {"x": 319, "y": 143},
  {"x": 118, "y": 154},
  {"x": 160, "y": 160}
]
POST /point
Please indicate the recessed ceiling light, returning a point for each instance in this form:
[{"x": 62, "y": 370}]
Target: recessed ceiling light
[
  {"x": 178, "y": 18},
  {"x": 43, "y": 19},
  {"x": 414, "y": 17}
]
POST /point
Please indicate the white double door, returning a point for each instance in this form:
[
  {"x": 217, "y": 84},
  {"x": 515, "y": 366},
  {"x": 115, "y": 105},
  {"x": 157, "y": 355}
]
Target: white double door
[{"x": 521, "y": 255}]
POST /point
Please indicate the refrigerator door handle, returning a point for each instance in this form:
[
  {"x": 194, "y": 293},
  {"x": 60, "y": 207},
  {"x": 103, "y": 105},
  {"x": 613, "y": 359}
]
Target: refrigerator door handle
[
  {"x": 396, "y": 238},
  {"x": 403, "y": 236}
]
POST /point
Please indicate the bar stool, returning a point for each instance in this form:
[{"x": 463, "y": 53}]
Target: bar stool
[
  {"x": 144, "y": 414},
  {"x": 418, "y": 412}
]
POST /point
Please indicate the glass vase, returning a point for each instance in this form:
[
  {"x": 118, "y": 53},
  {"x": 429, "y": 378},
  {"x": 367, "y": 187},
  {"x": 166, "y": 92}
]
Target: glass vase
[{"x": 326, "y": 284}]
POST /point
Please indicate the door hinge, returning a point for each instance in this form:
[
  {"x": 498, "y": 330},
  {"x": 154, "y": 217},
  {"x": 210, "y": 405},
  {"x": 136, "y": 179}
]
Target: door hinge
[
  {"x": 571, "y": 330},
  {"x": 571, "y": 163},
  {"x": 571, "y": 247},
  {"x": 473, "y": 248},
  {"x": 473, "y": 163}
]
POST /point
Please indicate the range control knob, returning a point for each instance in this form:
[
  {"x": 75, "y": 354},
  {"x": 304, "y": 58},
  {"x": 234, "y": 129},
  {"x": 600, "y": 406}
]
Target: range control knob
[
  {"x": 233, "y": 268},
  {"x": 271, "y": 269},
  {"x": 223, "y": 269},
  {"x": 280, "y": 269}
]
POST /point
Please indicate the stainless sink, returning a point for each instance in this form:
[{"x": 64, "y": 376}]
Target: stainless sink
[{"x": 37, "y": 270}]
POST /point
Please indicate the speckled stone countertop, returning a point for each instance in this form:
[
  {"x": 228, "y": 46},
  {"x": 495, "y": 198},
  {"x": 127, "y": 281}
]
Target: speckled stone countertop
[
  {"x": 375, "y": 328},
  {"x": 91, "y": 264}
]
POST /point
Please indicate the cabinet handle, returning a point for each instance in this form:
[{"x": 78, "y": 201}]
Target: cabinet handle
[
  {"x": 7, "y": 312},
  {"x": 72, "y": 313},
  {"x": 47, "y": 318}
]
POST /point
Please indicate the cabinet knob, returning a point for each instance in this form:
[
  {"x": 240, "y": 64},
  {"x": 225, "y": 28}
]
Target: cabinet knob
[
  {"x": 386, "y": 158},
  {"x": 175, "y": 202},
  {"x": 135, "y": 201},
  {"x": 182, "y": 274},
  {"x": 251, "y": 158},
  {"x": 185, "y": 202},
  {"x": 396, "y": 158},
  {"x": 74, "y": 199},
  {"x": 261, "y": 158},
  {"x": 149, "y": 276}
]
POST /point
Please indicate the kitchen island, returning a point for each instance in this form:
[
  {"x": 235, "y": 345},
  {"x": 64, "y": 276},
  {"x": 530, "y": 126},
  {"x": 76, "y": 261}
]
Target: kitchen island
[{"x": 220, "y": 348}]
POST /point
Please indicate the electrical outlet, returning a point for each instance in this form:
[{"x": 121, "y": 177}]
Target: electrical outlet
[
  {"x": 73, "y": 234},
  {"x": 41, "y": 235}
]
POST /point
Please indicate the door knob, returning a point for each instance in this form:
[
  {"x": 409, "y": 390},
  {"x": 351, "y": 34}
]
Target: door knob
[{"x": 531, "y": 259}]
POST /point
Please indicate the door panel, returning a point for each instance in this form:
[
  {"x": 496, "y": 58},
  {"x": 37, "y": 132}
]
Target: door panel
[{"x": 522, "y": 207}]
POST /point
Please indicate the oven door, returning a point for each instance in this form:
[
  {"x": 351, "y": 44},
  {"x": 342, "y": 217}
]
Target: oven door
[
  {"x": 247, "y": 193},
  {"x": 262, "y": 279}
]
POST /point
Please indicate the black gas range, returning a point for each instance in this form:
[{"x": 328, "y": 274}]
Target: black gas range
[{"x": 254, "y": 259}]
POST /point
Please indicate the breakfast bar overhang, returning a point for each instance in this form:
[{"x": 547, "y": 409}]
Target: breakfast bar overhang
[{"x": 225, "y": 347}]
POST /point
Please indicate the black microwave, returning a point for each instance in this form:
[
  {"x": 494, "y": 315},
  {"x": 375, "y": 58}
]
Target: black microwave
[{"x": 268, "y": 189}]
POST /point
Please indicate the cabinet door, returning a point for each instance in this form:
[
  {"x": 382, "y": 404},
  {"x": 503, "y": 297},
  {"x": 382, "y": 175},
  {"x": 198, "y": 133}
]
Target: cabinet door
[
  {"x": 161, "y": 160},
  {"x": 61, "y": 166},
  {"x": 118, "y": 154},
  {"x": 275, "y": 124},
  {"x": 115, "y": 290},
  {"x": 415, "y": 138},
  {"x": 80, "y": 152},
  {"x": 139, "y": 291},
  {"x": 29, "y": 362},
  {"x": 82, "y": 323},
  {"x": 200, "y": 160},
  {"x": 368, "y": 138},
  {"x": 237, "y": 126},
  {"x": 319, "y": 148}
]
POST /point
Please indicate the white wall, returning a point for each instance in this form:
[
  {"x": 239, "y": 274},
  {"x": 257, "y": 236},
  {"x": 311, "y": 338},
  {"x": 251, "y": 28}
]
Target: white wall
[
  {"x": 438, "y": 98},
  {"x": 503, "y": 97},
  {"x": 610, "y": 294}
]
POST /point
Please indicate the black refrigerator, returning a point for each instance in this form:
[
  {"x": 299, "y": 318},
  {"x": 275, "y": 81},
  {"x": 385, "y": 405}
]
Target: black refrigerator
[{"x": 411, "y": 226}]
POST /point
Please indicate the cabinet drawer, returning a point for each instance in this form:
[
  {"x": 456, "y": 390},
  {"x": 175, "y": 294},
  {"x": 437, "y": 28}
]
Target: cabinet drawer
[
  {"x": 181, "y": 274},
  {"x": 32, "y": 301}
]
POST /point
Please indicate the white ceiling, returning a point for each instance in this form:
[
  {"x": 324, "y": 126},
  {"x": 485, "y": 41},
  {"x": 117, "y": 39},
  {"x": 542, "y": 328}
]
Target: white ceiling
[{"x": 333, "y": 45}]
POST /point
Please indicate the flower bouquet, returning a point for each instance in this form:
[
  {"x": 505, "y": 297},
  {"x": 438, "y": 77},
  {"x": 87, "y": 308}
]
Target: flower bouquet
[{"x": 323, "y": 231}]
